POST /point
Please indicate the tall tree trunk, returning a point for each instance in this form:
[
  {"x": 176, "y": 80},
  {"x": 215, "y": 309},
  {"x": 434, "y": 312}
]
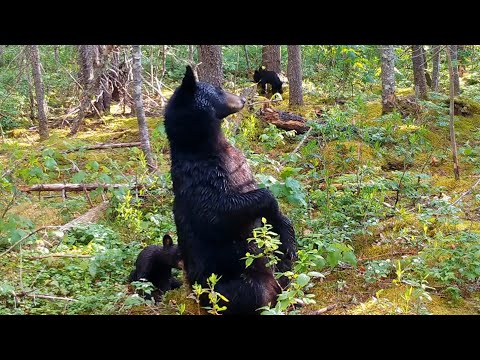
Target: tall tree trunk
[
  {"x": 2, "y": 49},
  {"x": 271, "y": 58},
  {"x": 435, "y": 67},
  {"x": 246, "y": 57},
  {"x": 85, "y": 62},
  {"x": 39, "y": 92},
  {"x": 424, "y": 58},
  {"x": 461, "y": 60},
  {"x": 451, "y": 72},
  {"x": 428, "y": 78},
  {"x": 388, "y": 78},
  {"x": 190, "y": 54},
  {"x": 137, "y": 95},
  {"x": 31, "y": 97},
  {"x": 164, "y": 61},
  {"x": 419, "y": 72},
  {"x": 454, "y": 60},
  {"x": 211, "y": 69},
  {"x": 91, "y": 82},
  {"x": 55, "y": 53},
  {"x": 294, "y": 69}
]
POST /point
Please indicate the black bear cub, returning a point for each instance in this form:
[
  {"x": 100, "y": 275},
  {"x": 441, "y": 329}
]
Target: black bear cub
[
  {"x": 264, "y": 77},
  {"x": 217, "y": 202},
  {"x": 155, "y": 263}
]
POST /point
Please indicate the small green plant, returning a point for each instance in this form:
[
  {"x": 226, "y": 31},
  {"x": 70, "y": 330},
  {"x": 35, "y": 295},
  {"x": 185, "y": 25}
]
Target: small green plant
[
  {"x": 181, "y": 309},
  {"x": 273, "y": 136},
  {"x": 143, "y": 287},
  {"x": 214, "y": 297},
  {"x": 377, "y": 269},
  {"x": 128, "y": 213},
  {"x": 293, "y": 295},
  {"x": 268, "y": 242}
]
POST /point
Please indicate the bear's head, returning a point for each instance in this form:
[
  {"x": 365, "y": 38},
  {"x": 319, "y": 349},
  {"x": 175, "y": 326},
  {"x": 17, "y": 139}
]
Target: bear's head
[
  {"x": 171, "y": 253},
  {"x": 194, "y": 112},
  {"x": 258, "y": 74}
]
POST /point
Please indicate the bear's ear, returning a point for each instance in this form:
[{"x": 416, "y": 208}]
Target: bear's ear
[
  {"x": 189, "y": 80},
  {"x": 167, "y": 241}
]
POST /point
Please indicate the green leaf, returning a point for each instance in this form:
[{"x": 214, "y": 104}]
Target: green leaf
[
  {"x": 333, "y": 257},
  {"x": 36, "y": 172},
  {"x": 248, "y": 262},
  {"x": 222, "y": 297},
  {"x": 50, "y": 163},
  {"x": 303, "y": 279},
  {"x": 79, "y": 177},
  {"x": 293, "y": 184},
  {"x": 93, "y": 165},
  {"x": 349, "y": 258},
  {"x": 104, "y": 178}
]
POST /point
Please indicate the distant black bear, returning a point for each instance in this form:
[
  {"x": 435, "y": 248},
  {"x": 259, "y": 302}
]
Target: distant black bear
[
  {"x": 264, "y": 77},
  {"x": 155, "y": 263},
  {"x": 217, "y": 202}
]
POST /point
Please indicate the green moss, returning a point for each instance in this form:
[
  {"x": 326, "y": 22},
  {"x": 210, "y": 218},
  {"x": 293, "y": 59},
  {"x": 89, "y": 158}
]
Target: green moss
[
  {"x": 404, "y": 91},
  {"x": 373, "y": 110},
  {"x": 443, "y": 306},
  {"x": 336, "y": 152}
]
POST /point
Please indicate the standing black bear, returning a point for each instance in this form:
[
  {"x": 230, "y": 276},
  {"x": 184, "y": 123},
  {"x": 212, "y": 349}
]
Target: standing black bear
[
  {"x": 217, "y": 203},
  {"x": 155, "y": 263},
  {"x": 264, "y": 77}
]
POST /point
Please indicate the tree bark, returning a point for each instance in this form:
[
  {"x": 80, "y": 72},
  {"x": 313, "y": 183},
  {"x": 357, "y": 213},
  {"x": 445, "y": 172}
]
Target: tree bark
[
  {"x": 190, "y": 54},
  {"x": 246, "y": 57},
  {"x": 424, "y": 58},
  {"x": 428, "y": 78},
  {"x": 435, "y": 67},
  {"x": 31, "y": 97},
  {"x": 55, "y": 53},
  {"x": 284, "y": 120},
  {"x": 294, "y": 70},
  {"x": 211, "y": 69},
  {"x": 85, "y": 62},
  {"x": 454, "y": 59},
  {"x": 461, "y": 59},
  {"x": 453, "y": 141},
  {"x": 137, "y": 95},
  {"x": 164, "y": 61},
  {"x": 90, "y": 79},
  {"x": 39, "y": 92},
  {"x": 419, "y": 72},
  {"x": 388, "y": 78},
  {"x": 90, "y": 216},
  {"x": 271, "y": 58}
]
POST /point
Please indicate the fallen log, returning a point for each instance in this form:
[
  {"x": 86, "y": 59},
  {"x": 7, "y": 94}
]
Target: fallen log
[
  {"x": 322, "y": 310},
  {"x": 104, "y": 146},
  {"x": 75, "y": 187},
  {"x": 90, "y": 216},
  {"x": 284, "y": 120}
]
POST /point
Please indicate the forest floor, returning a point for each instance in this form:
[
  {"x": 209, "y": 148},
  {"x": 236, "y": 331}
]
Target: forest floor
[{"x": 382, "y": 186}]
